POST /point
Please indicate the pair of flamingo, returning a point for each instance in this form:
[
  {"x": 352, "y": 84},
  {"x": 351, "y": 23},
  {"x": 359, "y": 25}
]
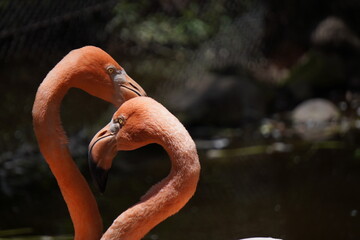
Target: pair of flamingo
[{"x": 139, "y": 121}]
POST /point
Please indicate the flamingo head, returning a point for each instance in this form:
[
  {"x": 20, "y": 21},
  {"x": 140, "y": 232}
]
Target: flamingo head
[
  {"x": 135, "y": 124},
  {"x": 96, "y": 72}
]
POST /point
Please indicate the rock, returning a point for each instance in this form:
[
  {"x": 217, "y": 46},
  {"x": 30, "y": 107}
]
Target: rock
[
  {"x": 333, "y": 32},
  {"x": 315, "y": 119}
]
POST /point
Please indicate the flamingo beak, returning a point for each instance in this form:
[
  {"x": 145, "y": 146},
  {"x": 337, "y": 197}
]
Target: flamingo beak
[
  {"x": 127, "y": 87},
  {"x": 102, "y": 150},
  {"x": 133, "y": 86}
]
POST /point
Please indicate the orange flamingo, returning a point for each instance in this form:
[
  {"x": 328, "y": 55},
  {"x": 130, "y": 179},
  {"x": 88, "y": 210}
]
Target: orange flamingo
[
  {"x": 94, "y": 71},
  {"x": 138, "y": 122}
]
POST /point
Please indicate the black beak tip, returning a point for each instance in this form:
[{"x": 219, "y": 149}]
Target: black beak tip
[{"x": 99, "y": 175}]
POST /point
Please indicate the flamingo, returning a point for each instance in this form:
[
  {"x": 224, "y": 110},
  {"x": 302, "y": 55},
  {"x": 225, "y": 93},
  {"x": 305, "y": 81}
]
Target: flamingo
[
  {"x": 94, "y": 71},
  {"x": 138, "y": 122}
]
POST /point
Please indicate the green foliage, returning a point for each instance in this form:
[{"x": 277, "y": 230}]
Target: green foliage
[
  {"x": 189, "y": 25},
  {"x": 157, "y": 38}
]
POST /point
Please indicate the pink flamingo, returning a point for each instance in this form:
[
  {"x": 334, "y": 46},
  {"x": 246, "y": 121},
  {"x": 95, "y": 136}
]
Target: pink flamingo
[
  {"x": 138, "y": 122},
  {"x": 94, "y": 71}
]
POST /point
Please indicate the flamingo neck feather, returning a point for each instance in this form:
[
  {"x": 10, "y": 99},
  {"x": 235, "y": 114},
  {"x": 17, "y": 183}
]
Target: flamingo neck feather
[
  {"x": 167, "y": 197},
  {"x": 53, "y": 145}
]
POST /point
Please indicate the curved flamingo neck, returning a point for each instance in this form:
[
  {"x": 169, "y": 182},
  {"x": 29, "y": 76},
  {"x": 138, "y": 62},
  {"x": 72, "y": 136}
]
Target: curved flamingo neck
[
  {"x": 53, "y": 145},
  {"x": 169, "y": 195}
]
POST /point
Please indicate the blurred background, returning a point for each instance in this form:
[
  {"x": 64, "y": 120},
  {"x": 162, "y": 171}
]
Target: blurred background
[{"x": 269, "y": 90}]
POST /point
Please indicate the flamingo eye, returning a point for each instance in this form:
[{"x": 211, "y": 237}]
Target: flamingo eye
[
  {"x": 116, "y": 124},
  {"x": 111, "y": 70},
  {"x": 120, "y": 120}
]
